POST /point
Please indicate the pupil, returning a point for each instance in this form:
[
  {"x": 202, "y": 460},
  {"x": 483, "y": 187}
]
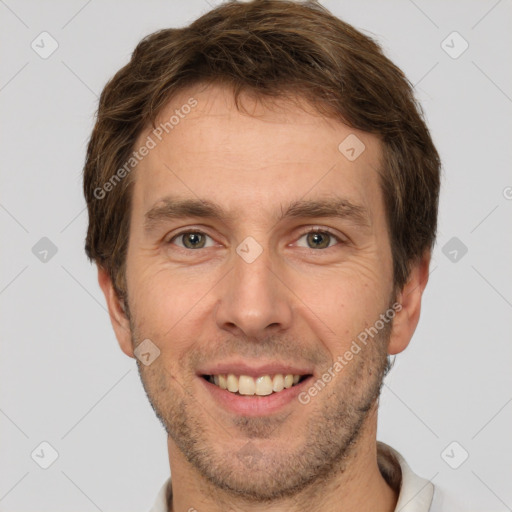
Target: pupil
[
  {"x": 193, "y": 239},
  {"x": 317, "y": 239}
]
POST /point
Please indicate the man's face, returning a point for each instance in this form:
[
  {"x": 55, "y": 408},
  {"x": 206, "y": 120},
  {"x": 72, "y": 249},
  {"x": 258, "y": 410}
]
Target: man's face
[{"x": 253, "y": 293}]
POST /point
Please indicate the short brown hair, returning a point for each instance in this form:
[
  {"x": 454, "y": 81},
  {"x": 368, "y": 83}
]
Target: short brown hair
[{"x": 273, "y": 49}]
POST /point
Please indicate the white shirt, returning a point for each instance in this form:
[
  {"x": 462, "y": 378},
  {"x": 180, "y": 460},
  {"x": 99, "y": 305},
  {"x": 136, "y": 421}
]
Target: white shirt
[{"x": 415, "y": 493}]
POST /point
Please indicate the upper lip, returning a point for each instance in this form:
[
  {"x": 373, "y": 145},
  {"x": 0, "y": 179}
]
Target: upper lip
[{"x": 254, "y": 370}]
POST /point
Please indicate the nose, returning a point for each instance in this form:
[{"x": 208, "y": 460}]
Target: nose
[{"x": 253, "y": 299}]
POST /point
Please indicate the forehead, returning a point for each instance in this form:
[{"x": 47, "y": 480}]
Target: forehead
[{"x": 274, "y": 151}]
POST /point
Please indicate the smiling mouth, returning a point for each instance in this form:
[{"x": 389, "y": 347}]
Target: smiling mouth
[{"x": 263, "y": 385}]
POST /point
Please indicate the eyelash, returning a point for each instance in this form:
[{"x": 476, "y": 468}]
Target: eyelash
[{"x": 307, "y": 232}]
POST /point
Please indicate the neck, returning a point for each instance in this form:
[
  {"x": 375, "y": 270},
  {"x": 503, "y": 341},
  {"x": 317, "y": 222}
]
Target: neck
[{"x": 356, "y": 485}]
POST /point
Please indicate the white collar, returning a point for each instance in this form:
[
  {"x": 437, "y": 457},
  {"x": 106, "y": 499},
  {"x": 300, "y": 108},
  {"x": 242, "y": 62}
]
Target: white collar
[{"x": 415, "y": 493}]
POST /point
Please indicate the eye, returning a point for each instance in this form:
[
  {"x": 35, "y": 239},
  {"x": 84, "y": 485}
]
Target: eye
[
  {"x": 315, "y": 239},
  {"x": 191, "y": 240},
  {"x": 320, "y": 239}
]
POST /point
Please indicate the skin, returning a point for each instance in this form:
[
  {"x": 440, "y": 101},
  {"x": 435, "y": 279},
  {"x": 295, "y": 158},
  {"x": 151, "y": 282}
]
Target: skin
[{"x": 294, "y": 303}]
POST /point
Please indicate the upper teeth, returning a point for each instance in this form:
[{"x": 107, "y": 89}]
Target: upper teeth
[{"x": 246, "y": 385}]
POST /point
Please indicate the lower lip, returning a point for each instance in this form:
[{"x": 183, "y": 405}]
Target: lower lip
[{"x": 254, "y": 405}]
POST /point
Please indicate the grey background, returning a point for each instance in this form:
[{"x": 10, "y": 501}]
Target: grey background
[{"x": 63, "y": 378}]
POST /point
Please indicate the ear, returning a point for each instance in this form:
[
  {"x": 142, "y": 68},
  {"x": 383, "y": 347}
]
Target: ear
[
  {"x": 120, "y": 321},
  {"x": 406, "y": 320}
]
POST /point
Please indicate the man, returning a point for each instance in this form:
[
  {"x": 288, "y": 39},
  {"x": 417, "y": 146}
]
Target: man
[{"x": 262, "y": 194}]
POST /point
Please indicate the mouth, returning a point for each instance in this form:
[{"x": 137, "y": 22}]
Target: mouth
[
  {"x": 254, "y": 396},
  {"x": 262, "y": 385},
  {"x": 253, "y": 388}
]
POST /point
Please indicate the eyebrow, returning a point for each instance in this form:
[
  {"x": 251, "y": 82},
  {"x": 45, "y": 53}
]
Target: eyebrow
[{"x": 333, "y": 207}]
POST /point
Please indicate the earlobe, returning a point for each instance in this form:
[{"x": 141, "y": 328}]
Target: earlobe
[
  {"x": 409, "y": 298},
  {"x": 118, "y": 317}
]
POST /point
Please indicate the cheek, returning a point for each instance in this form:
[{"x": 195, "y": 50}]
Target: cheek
[
  {"x": 164, "y": 300},
  {"x": 342, "y": 302}
]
